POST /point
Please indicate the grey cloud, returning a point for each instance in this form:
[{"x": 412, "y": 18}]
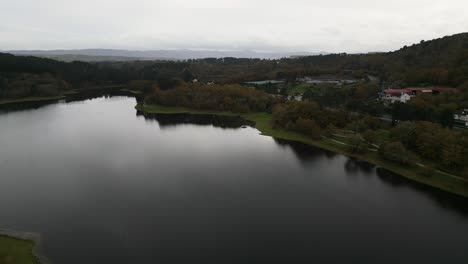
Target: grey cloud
[{"x": 272, "y": 25}]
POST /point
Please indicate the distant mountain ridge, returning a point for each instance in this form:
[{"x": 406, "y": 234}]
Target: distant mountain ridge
[{"x": 128, "y": 55}]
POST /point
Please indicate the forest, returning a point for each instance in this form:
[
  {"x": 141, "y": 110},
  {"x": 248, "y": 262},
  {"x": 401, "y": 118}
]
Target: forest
[
  {"x": 441, "y": 61},
  {"x": 407, "y": 143},
  {"x": 420, "y": 131},
  {"x": 232, "y": 98}
]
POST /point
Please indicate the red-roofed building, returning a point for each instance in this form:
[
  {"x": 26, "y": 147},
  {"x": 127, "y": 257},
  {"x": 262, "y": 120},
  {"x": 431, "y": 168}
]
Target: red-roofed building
[{"x": 404, "y": 95}]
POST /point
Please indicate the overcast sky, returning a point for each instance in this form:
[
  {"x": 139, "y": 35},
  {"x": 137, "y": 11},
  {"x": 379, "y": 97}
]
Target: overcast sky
[{"x": 270, "y": 25}]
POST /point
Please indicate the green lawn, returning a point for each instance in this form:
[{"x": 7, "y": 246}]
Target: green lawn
[
  {"x": 160, "y": 109},
  {"x": 16, "y": 251},
  {"x": 263, "y": 124},
  {"x": 131, "y": 91},
  {"x": 299, "y": 89},
  {"x": 30, "y": 99}
]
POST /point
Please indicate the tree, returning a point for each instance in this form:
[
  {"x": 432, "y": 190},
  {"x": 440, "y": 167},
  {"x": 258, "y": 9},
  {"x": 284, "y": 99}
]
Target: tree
[
  {"x": 453, "y": 156},
  {"x": 357, "y": 144},
  {"x": 369, "y": 136},
  {"x": 308, "y": 127},
  {"x": 405, "y": 132},
  {"x": 396, "y": 152}
]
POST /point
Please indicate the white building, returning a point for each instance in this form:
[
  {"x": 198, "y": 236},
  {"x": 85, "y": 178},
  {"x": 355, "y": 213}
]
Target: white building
[
  {"x": 461, "y": 117},
  {"x": 392, "y": 98}
]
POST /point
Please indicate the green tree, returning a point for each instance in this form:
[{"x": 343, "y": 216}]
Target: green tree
[
  {"x": 357, "y": 144},
  {"x": 405, "y": 132},
  {"x": 396, "y": 152},
  {"x": 308, "y": 127}
]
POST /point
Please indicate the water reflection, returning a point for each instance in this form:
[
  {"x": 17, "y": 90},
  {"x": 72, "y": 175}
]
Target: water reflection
[
  {"x": 103, "y": 186},
  {"x": 303, "y": 152},
  {"x": 172, "y": 120},
  {"x": 78, "y": 97},
  {"x": 441, "y": 198},
  {"x": 354, "y": 166},
  {"x": 14, "y": 107}
]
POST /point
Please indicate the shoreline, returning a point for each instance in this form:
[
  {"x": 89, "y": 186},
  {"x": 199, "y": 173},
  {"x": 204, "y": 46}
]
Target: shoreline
[
  {"x": 35, "y": 238},
  {"x": 65, "y": 94},
  {"x": 439, "y": 180},
  {"x": 32, "y": 99}
]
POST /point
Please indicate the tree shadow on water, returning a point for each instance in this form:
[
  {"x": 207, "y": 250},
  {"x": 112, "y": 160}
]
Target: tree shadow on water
[
  {"x": 304, "y": 153},
  {"x": 443, "y": 199},
  {"x": 172, "y": 120},
  {"x": 354, "y": 166}
]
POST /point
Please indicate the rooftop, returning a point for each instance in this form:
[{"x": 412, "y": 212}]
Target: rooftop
[
  {"x": 264, "y": 82},
  {"x": 419, "y": 89}
]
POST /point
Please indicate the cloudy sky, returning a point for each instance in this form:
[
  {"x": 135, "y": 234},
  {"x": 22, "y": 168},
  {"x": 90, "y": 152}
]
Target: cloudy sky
[{"x": 269, "y": 25}]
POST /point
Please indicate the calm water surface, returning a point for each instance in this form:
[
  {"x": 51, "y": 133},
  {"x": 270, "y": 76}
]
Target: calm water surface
[{"x": 102, "y": 184}]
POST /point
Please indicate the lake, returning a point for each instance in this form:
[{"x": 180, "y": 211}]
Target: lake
[{"x": 104, "y": 184}]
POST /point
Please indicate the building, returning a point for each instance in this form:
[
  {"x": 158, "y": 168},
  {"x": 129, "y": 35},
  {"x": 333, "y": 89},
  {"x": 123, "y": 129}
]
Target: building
[
  {"x": 295, "y": 97},
  {"x": 419, "y": 90},
  {"x": 256, "y": 84},
  {"x": 404, "y": 95},
  {"x": 326, "y": 80},
  {"x": 461, "y": 118},
  {"x": 393, "y": 97}
]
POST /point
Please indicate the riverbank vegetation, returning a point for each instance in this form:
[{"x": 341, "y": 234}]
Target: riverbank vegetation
[
  {"x": 340, "y": 141},
  {"x": 16, "y": 251},
  {"x": 434, "y": 108},
  {"x": 414, "y": 141},
  {"x": 342, "y": 118},
  {"x": 420, "y": 150},
  {"x": 233, "y": 98},
  {"x": 30, "y": 99},
  {"x": 436, "y": 62}
]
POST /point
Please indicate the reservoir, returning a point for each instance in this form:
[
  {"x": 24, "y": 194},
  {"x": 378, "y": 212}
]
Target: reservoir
[{"x": 102, "y": 183}]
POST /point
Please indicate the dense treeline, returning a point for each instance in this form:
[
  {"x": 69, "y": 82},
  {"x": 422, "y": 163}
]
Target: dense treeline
[
  {"x": 442, "y": 61},
  {"x": 434, "y": 143},
  {"x": 18, "y": 85},
  {"x": 312, "y": 119},
  {"x": 234, "y": 98},
  {"x": 360, "y": 97},
  {"x": 22, "y": 76},
  {"x": 439, "y": 62},
  {"x": 409, "y": 141},
  {"x": 434, "y": 108}
]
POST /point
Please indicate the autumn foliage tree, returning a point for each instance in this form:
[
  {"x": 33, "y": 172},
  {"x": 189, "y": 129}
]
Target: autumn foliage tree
[{"x": 234, "y": 98}]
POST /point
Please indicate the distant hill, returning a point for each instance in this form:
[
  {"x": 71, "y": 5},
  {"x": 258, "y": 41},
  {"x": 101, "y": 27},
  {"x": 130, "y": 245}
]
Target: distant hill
[
  {"x": 129, "y": 55},
  {"x": 438, "y": 61},
  {"x": 442, "y": 61}
]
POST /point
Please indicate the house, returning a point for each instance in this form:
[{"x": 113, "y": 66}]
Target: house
[
  {"x": 392, "y": 96},
  {"x": 461, "y": 118},
  {"x": 295, "y": 97},
  {"x": 404, "y": 95},
  {"x": 256, "y": 84},
  {"x": 326, "y": 80},
  {"x": 270, "y": 86}
]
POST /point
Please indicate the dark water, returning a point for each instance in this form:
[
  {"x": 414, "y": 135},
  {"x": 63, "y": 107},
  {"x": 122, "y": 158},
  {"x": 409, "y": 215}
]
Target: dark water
[{"x": 105, "y": 185}]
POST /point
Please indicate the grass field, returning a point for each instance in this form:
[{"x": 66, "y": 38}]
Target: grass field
[
  {"x": 131, "y": 91},
  {"x": 30, "y": 99},
  {"x": 16, "y": 251},
  {"x": 299, "y": 89},
  {"x": 424, "y": 175}
]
